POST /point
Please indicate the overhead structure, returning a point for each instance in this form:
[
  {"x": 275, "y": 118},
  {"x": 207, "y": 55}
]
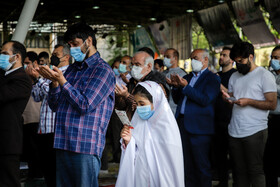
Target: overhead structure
[
  {"x": 25, "y": 19},
  {"x": 217, "y": 25}
]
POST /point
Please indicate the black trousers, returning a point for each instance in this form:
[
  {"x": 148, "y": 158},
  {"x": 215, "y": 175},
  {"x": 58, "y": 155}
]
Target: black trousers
[
  {"x": 30, "y": 152},
  {"x": 271, "y": 153},
  {"x": 47, "y": 158},
  {"x": 9, "y": 171}
]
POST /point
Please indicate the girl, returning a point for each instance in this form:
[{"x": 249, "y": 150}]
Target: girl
[{"x": 151, "y": 151}]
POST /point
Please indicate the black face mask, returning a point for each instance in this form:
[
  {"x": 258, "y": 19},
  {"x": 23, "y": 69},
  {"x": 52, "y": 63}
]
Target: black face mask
[
  {"x": 243, "y": 68},
  {"x": 55, "y": 60}
]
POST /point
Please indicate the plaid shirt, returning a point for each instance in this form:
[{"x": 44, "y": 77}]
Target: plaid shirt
[
  {"x": 47, "y": 116},
  {"x": 83, "y": 106}
]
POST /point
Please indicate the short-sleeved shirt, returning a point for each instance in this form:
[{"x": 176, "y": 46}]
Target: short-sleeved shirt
[{"x": 248, "y": 120}]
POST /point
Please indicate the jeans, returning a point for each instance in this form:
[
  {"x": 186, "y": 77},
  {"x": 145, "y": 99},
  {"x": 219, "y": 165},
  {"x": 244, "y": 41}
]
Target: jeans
[
  {"x": 247, "y": 157},
  {"x": 76, "y": 169}
]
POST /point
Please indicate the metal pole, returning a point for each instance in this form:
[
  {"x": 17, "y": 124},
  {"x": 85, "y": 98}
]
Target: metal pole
[{"x": 25, "y": 19}]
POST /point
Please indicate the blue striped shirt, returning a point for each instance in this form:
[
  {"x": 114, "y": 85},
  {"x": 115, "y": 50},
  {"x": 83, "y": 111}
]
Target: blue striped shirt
[
  {"x": 47, "y": 116},
  {"x": 83, "y": 106}
]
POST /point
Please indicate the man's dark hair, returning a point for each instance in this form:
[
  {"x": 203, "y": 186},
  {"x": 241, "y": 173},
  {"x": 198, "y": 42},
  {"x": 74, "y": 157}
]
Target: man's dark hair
[
  {"x": 147, "y": 50},
  {"x": 226, "y": 48},
  {"x": 44, "y": 55},
  {"x": 32, "y": 56},
  {"x": 143, "y": 92},
  {"x": 242, "y": 49},
  {"x": 159, "y": 62},
  {"x": 19, "y": 48},
  {"x": 175, "y": 52},
  {"x": 80, "y": 30},
  {"x": 276, "y": 48}
]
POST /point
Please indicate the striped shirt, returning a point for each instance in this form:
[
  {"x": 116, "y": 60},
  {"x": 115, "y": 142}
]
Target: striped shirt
[
  {"x": 83, "y": 106},
  {"x": 47, "y": 116}
]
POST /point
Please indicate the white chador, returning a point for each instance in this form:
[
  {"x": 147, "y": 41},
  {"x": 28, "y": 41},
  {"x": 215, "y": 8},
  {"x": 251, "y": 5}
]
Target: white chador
[{"x": 153, "y": 157}]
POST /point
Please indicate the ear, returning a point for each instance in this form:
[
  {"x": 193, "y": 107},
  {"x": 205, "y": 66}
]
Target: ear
[
  {"x": 251, "y": 58},
  {"x": 89, "y": 41},
  {"x": 149, "y": 65}
]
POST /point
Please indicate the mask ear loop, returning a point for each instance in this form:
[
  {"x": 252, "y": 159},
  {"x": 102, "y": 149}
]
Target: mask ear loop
[{"x": 87, "y": 48}]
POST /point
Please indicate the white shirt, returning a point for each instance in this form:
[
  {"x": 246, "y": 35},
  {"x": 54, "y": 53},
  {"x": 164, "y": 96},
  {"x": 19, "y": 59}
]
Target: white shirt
[{"x": 246, "y": 121}]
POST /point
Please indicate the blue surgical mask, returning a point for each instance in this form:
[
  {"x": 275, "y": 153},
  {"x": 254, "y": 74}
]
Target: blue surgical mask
[
  {"x": 145, "y": 112},
  {"x": 275, "y": 64},
  {"x": 122, "y": 68},
  {"x": 25, "y": 66},
  {"x": 116, "y": 71},
  {"x": 4, "y": 62},
  {"x": 77, "y": 53},
  {"x": 167, "y": 62}
]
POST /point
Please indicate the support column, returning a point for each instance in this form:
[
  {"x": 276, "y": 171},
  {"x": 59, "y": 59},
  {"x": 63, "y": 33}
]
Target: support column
[{"x": 25, "y": 19}]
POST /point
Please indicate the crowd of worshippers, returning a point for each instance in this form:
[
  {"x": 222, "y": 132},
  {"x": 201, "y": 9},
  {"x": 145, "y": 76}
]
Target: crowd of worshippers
[{"x": 186, "y": 129}]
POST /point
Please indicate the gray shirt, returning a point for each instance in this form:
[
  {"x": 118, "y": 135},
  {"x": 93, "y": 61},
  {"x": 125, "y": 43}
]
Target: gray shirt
[{"x": 167, "y": 74}]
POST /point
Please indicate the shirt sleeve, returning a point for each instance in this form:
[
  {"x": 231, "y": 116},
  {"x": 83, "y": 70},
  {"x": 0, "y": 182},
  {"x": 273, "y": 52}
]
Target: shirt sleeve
[
  {"x": 230, "y": 85},
  {"x": 99, "y": 86},
  {"x": 53, "y": 97},
  {"x": 268, "y": 82},
  {"x": 40, "y": 90}
]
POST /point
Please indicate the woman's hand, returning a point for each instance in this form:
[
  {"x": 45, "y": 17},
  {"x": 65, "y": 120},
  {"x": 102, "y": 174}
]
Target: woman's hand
[{"x": 126, "y": 134}]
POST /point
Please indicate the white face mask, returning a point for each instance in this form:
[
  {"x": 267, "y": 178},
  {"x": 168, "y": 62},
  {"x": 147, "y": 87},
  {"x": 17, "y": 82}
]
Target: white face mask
[
  {"x": 167, "y": 62},
  {"x": 136, "y": 72},
  {"x": 196, "y": 65}
]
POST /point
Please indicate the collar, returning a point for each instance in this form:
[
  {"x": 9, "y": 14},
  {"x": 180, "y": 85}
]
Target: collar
[
  {"x": 12, "y": 70},
  {"x": 199, "y": 73},
  {"x": 89, "y": 62}
]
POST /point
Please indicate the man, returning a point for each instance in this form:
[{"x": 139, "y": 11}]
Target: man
[
  {"x": 171, "y": 59},
  {"x": 124, "y": 69},
  {"x": 142, "y": 66},
  {"x": 272, "y": 157},
  {"x": 83, "y": 99},
  {"x": 222, "y": 119},
  {"x": 159, "y": 67},
  {"x": 60, "y": 59},
  {"x": 31, "y": 116},
  {"x": 15, "y": 88},
  {"x": 43, "y": 58},
  {"x": 253, "y": 92},
  {"x": 195, "y": 95}
]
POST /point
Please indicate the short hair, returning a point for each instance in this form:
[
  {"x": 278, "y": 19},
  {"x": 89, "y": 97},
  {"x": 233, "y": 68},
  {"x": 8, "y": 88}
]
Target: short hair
[
  {"x": 65, "y": 50},
  {"x": 19, "y": 48},
  {"x": 276, "y": 48},
  {"x": 127, "y": 56},
  {"x": 226, "y": 48},
  {"x": 242, "y": 49},
  {"x": 143, "y": 92},
  {"x": 147, "y": 59},
  {"x": 32, "y": 56},
  {"x": 80, "y": 30},
  {"x": 44, "y": 55},
  {"x": 175, "y": 52},
  {"x": 205, "y": 53},
  {"x": 147, "y": 50},
  {"x": 159, "y": 62}
]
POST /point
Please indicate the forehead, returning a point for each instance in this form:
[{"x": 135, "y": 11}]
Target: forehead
[
  {"x": 225, "y": 52},
  {"x": 196, "y": 53},
  {"x": 276, "y": 52},
  {"x": 168, "y": 52},
  {"x": 27, "y": 60},
  {"x": 125, "y": 58},
  {"x": 58, "y": 50},
  {"x": 7, "y": 47},
  {"x": 139, "y": 98},
  {"x": 140, "y": 57}
]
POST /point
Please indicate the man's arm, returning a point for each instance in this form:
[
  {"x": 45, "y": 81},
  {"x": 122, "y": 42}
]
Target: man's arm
[
  {"x": 40, "y": 89},
  {"x": 269, "y": 103}
]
